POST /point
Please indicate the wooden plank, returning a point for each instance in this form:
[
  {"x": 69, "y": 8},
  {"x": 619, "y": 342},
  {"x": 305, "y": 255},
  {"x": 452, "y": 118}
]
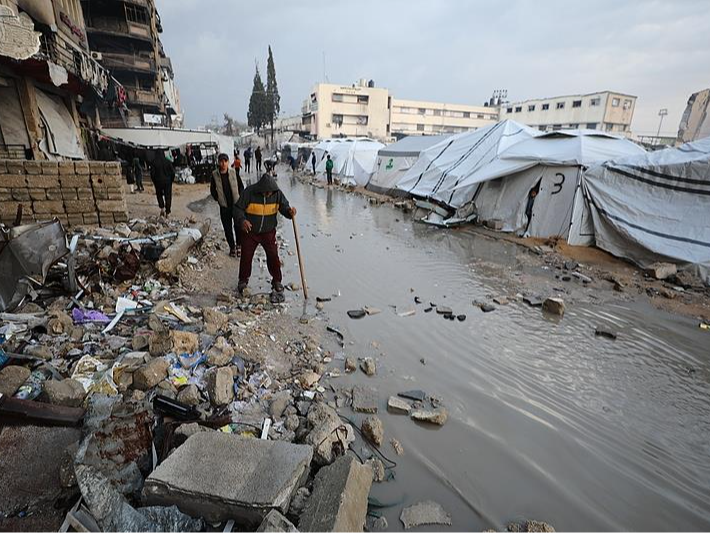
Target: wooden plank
[{"x": 14, "y": 411}]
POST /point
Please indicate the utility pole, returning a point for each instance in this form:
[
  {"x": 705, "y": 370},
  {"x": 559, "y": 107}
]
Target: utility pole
[{"x": 661, "y": 113}]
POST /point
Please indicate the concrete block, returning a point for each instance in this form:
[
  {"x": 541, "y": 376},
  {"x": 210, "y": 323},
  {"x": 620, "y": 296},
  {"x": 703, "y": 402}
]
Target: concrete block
[
  {"x": 75, "y": 181},
  {"x": 3, "y": 167},
  {"x": 115, "y": 193},
  {"x": 54, "y": 194},
  {"x": 75, "y": 219},
  {"x": 13, "y": 181},
  {"x": 276, "y": 522},
  {"x": 5, "y": 195},
  {"x": 91, "y": 218},
  {"x": 110, "y": 206},
  {"x": 220, "y": 385},
  {"x": 66, "y": 168},
  {"x": 113, "y": 168},
  {"x": 48, "y": 207},
  {"x": 81, "y": 167},
  {"x": 50, "y": 168},
  {"x": 69, "y": 193},
  {"x": 662, "y": 270},
  {"x": 38, "y": 194},
  {"x": 84, "y": 193},
  {"x": 33, "y": 167},
  {"x": 43, "y": 182},
  {"x": 15, "y": 167},
  {"x": 21, "y": 195},
  {"x": 79, "y": 206},
  {"x": 219, "y": 476},
  {"x": 120, "y": 217},
  {"x": 101, "y": 193},
  {"x": 339, "y": 499},
  {"x": 96, "y": 167}
]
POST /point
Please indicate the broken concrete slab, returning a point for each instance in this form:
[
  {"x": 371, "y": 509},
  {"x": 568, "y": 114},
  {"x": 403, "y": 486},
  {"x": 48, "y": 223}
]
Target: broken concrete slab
[
  {"x": 189, "y": 395},
  {"x": 416, "y": 395},
  {"x": 221, "y": 353},
  {"x": 662, "y": 270},
  {"x": 235, "y": 477},
  {"x": 185, "y": 341},
  {"x": 339, "y": 499},
  {"x": 330, "y": 436},
  {"x": 67, "y": 392},
  {"x": 398, "y": 406},
  {"x": 220, "y": 385},
  {"x": 368, "y": 366},
  {"x": 554, "y": 306},
  {"x": 215, "y": 320},
  {"x": 149, "y": 375},
  {"x": 276, "y": 522},
  {"x": 438, "y": 416},
  {"x": 365, "y": 399},
  {"x": 424, "y": 513},
  {"x": 373, "y": 430},
  {"x": 11, "y": 378}
]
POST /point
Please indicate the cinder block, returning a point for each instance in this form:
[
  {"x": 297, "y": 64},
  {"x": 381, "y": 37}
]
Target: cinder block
[
  {"x": 48, "y": 207},
  {"x": 33, "y": 167},
  {"x": 3, "y": 166},
  {"x": 75, "y": 219},
  {"x": 8, "y": 210},
  {"x": 110, "y": 206},
  {"x": 69, "y": 193},
  {"x": 75, "y": 181},
  {"x": 66, "y": 168},
  {"x": 12, "y": 181},
  {"x": 101, "y": 193},
  {"x": 15, "y": 167},
  {"x": 115, "y": 193},
  {"x": 79, "y": 206},
  {"x": 84, "y": 193},
  {"x": 5, "y": 195},
  {"x": 21, "y": 195},
  {"x": 97, "y": 167},
  {"x": 90, "y": 218},
  {"x": 38, "y": 194},
  {"x": 43, "y": 182},
  {"x": 54, "y": 194},
  {"x": 106, "y": 180},
  {"x": 50, "y": 168},
  {"x": 120, "y": 217},
  {"x": 113, "y": 167},
  {"x": 81, "y": 167}
]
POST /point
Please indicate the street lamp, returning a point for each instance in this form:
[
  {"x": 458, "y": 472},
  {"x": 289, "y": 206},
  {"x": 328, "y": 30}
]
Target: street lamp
[{"x": 661, "y": 113}]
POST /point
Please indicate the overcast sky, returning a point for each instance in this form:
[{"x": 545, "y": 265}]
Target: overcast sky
[{"x": 454, "y": 51}]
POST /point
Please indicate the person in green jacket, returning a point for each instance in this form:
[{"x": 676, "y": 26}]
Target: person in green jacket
[{"x": 329, "y": 170}]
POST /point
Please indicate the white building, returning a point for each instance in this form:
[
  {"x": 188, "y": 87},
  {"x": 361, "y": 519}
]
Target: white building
[
  {"x": 417, "y": 117},
  {"x": 607, "y": 111}
]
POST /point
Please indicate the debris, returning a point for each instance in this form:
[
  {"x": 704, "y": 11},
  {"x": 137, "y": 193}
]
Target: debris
[
  {"x": 67, "y": 392},
  {"x": 371, "y": 310},
  {"x": 530, "y": 526},
  {"x": 376, "y": 523},
  {"x": 437, "y": 417},
  {"x": 554, "y": 306},
  {"x": 215, "y": 320},
  {"x": 662, "y": 270},
  {"x": 256, "y": 476},
  {"x": 501, "y": 300},
  {"x": 39, "y": 414},
  {"x": 368, "y": 366},
  {"x": 416, "y": 395},
  {"x": 298, "y": 502},
  {"x": 178, "y": 250},
  {"x": 149, "y": 375},
  {"x": 168, "y": 406},
  {"x": 424, "y": 513},
  {"x": 461, "y": 318},
  {"x": 582, "y": 277},
  {"x": 357, "y": 313},
  {"x": 397, "y": 446},
  {"x": 397, "y": 405},
  {"x": 533, "y": 301},
  {"x": 177, "y": 312},
  {"x": 365, "y": 399},
  {"x": 189, "y": 395},
  {"x": 373, "y": 430},
  {"x": 276, "y": 522},
  {"x": 602, "y": 331},
  {"x": 221, "y": 353},
  {"x": 308, "y": 379},
  {"x": 330, "y": 436},
  {"x": 220, "y": 385},
  {"x": 322, "y": 299},
  {"x": 339, "y": 499},
  {"x": 485, "y": 306},
  {"x": 11, "y": 378},
  {"x": 443, "y": 310},
  {"x": 350, "y": 364},
  {"x": 428, "y": 309},
  {"x": 378, "y": 469}
]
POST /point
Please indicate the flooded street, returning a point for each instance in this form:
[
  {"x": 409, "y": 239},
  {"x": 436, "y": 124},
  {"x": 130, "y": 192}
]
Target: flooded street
[{"x": 546, "y": 421}]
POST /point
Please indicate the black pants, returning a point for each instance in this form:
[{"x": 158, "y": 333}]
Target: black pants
[
  {"x": 164, "y": 192},
  {"x": 329, "y": 173},
  {"x": 258, "y": 165},
  {"x": 231, "y": 229},
  {"x": 247, "y": 164},
  {"x": 139, "y": 180}
]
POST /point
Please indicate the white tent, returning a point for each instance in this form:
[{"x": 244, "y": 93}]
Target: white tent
[
  {"x": 654, "y": 207},
  {"x": 170, "y": 138},
  {"x": 353, "y": 159},
  {"x": 443, "y": 168},
  {"x": 395, "y": 160}
]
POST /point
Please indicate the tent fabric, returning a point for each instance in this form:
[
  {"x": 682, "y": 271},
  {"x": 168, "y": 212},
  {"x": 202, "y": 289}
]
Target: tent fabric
[
  {"x": 654, "y": 207},
  {"x": 353, "y": 159},
  {"x": 442, "y": 169},
  {"x": 395, "y": 160},
  {"x": 12, "y": 123},
  {"x": 61, "y": 135},
  {"x": 170, "y": 138}
]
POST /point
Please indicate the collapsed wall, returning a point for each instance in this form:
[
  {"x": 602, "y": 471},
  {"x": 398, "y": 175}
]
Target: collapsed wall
[{"x": 75, "y": 192}]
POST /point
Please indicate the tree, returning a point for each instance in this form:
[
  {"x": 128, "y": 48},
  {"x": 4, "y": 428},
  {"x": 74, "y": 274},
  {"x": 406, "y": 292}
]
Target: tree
[
  {"x": 273, "y": 100},
  {"x": 230, "y": 126},
  {"x": 256, "y": 116}
]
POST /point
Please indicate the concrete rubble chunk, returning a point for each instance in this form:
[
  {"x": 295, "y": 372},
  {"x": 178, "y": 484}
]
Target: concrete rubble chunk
[
  {"x": 378, "y": 523},
  {"x": 189, "y": 395},
  {"x": 234, "y": 478},
  {"x": 398, "y": 406},
  {"x": 221, "y": 353},
  {"x": 279, "y": 403},
  {"x": 554, "y": 306},
  {"x": 150, "y": 374},
  {"x": 220, "y": 385},
  {"x": 368, "y": 366},
  {"x": 532, "y": 526},
  {"x": 276, "y": 522},
  {"x": 339, "y": 499},
  {"x": 373, "y": 430},
  {"x": 350, "y": 364},
  {"x": 397, "y": 446},
  {"x": 308, "y": 379},
  {"x": 299, "y": 500},
  {"x": 11, "y": 378},
  {"x": 662, "y": 270},
  {"x": 378, "y": 469},
  {"x": 424, "y": 513},
  {"x": 185, "y": 431},
  {"x": 330, "y": 436},
  {"x": 185, "y": 341},
  {"x": 365, "y": 399},
  {"x": 67, "y": 392},
  {"x": 438, "y": 416},
  {"x": 215, "y": 320}
]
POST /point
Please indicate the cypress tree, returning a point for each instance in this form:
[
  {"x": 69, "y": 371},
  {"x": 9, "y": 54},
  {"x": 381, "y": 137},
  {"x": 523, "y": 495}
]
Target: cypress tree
[
  {"x": 256, "y": 116},
  {"x": 273, "y": 100}
]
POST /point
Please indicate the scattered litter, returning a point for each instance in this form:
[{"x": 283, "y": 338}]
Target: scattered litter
[{"x": 357, "y": 313}]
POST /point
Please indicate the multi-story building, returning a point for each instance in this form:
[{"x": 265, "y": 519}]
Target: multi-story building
[
  {"x": 607, "y": 111},
  {"x": 124, "y": 37},
  {"x": 415, "y": 117}
]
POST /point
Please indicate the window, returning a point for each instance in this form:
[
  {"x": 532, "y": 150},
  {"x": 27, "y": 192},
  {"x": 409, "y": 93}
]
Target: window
[
  {"x": 560, "y": 105},
  {"x": 614, "y": 102},
  {"x": 609, "y": 127},
  {"x": 531, "y": 107},
  {"x": 437, "y": 112},
  {"x": 420, "y": 127},
  {"x": 137, "y": 14},
  {"x": 573, "y": 126},
  {"x": 595, "y": 101},
  {"x": 466, "y": 114},
  {"x": 362, "y": 98},
  {"x": 509, "y": 110},
  {"x": 556, "y": 127},
  {"x": 545, "y": 107},
  {"x": 627, "y": 103},
  {"x": 576, "y": 103},
  {"x": 422, "y": 111},
  {"x": 622, "y": 127},
  {"x": 337, "y": 120},
  {"x": 480, "y": 116},
  {"x": 518, "y": 109},
  {"x": 361, "y": 120},
  {"x": 338, "y": 97},
  {"x": 542, "y": 128},
  {"x": 591, "y": 125}
]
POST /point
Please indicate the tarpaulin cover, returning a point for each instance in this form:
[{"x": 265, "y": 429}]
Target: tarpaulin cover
[
  {"x": 170, "y": 138},
  {"x": 655, "y": 206},
  {"x": 353, "y": 159},
  {"x": 62, "y": 135}
]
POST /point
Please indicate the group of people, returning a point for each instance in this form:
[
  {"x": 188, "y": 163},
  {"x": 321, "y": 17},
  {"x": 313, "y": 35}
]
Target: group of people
[
  {"x": 248, "y": 154},
  {"x": 329, "y": 164}
]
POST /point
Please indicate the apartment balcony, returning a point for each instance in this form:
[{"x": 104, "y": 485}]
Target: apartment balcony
[
  {"x": 144, "y": 98},
  {"x": 119, "y": 28},
  {"x": 128, "y": 63}
]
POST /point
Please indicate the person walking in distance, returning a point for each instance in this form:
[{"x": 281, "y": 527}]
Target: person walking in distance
[
  {"x": 226, "y": 186},
  {"x": 162, "y": 175},
  {"x": 237, "y": 164},
  {"x": 313, "y": 162},
  {"x": 247, "y": 159},
  {"x": 329, "y": 170},
  {"x": 138, "y": 174},
  {"x": 257, "y": 158},
  {"x": 256, "y": 213}
]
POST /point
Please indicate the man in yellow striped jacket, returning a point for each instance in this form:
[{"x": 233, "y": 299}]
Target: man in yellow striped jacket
[{"x": 256, "y": 212}]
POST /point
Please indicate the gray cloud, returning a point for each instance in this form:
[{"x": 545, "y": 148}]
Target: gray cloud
[{"x": 451, "y": 50}]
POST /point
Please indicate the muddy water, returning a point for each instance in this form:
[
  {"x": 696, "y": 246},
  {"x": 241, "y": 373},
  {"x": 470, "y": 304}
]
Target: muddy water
[{"x": 546, "y": 421}]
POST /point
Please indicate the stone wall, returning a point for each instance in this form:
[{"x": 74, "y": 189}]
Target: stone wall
[{"x": 75, "y": 192}]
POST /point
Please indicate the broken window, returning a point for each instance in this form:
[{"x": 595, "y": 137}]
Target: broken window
[
  {"x": 137, "y": 14},
  {"x": 560, "y": 105}
]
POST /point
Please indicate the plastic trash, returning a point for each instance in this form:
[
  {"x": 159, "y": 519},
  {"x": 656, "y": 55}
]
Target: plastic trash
[
  {"x": 80, "y": 316},
  {"x": 32, "y": 388}
]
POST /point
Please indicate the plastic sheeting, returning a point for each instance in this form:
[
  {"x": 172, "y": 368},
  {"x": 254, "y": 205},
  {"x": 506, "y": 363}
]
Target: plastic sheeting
[
  {"x": 170, "y": 138},
  {"x": 12, "y": 123},
  {"x": 655, "y": 207},
  {"x": 354, "y": 160},
  {"x": 61, "y": 135}
]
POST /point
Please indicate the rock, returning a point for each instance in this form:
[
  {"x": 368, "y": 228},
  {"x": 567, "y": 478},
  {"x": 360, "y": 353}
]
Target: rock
[
  {"x": 378, "y": 523},
  {"x": 501, "y": 300},
  {"x": 160, "y": 343},
  {"x": 662, "y": 270},
  {"x": 443, "y": 310},
  {"x": 487, "y": 307},
  {"x": 59, "y": 323},
  {"x": 215, "y": 320},
  {"x": 189, "y": 395},
  {"x": 276, "y": 522},
  {"x": 279, "y": 403},
  {"x": 571, "y": 265},
  {"x": 373, "y": 430},
  {"x": 298, "y": 502},
  {"x": 357, "y": 313},
  {"x": 368, "y": 366},
  {"x": 602, "y": 331},
  {"x": 319, "y": 306},
  {"x": 292, "y": 422},
  {"x": 330, "y": 436},
  {"x": 156, "y": 325},
  {"x": 308, "y": 379},
  {"x": 378, "y": 469},
  {"x": 150, "y": 374},
  {"x": 424, "y": 513},
  {"x": 416, "y": 395},
  {"x": 530, "y": 526},
  {"x": 365, "y": 399},
  {"x": 350, "y": 364},
  {"x": 254, "y": 477},
  {"x": 220, "y": 385},
  {"x": 398, "y": 406},
  {"x": 461, "y": 318},
  {"x": 140, "y": 342},
  {"x": 554, "y": 306},
  {"x": 221, "y": 353},
  {"x": 39, "y": 350},
  {"x": 185, "y": 341},
  {"x": 185, "y": 431},
  {"x": 437, "y": 417},
  {"x": 339, "y": 499},
  {"x": 123, "y": 380},
  {"x": 11, "y": 378},
  {"x": 67, "y": 392},
  {"x": 397, "y": 446},
  {"x": 533, "y": 301}
]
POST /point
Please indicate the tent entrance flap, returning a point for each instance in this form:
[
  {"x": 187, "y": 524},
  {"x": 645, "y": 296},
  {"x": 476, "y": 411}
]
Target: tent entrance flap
[{"x": 554, "y": 203}]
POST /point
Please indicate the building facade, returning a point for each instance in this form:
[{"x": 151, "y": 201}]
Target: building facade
[
  {"x": 124, "y": 36},
  {"x": 607, "y": 111},
  {"x": 695, "y": 122},
  {"x": 416, "y": 117}
]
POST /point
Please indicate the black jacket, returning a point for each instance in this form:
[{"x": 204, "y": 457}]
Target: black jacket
[
  {"x": 253, "y": 205},
  {"x": 162, "y": 171}
]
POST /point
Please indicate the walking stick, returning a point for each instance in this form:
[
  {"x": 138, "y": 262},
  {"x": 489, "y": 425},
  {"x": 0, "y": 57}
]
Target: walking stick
[{"x": 300, "y": 259}]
